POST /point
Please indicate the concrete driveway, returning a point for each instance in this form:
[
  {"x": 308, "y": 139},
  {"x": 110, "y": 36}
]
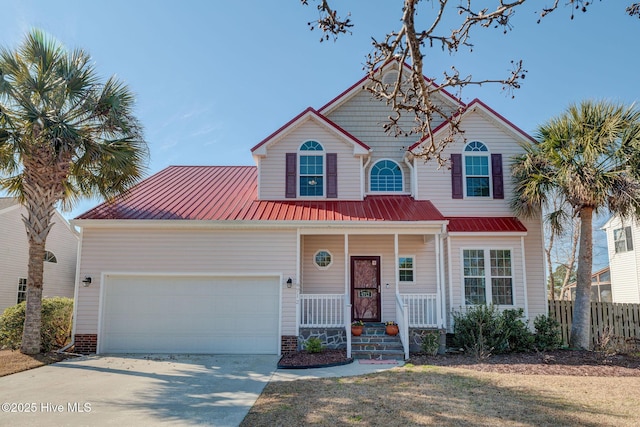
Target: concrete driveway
[{"x": 140, "y": 390}]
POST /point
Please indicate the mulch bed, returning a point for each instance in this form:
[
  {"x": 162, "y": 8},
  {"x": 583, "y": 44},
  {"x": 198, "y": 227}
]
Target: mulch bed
[
  {"x": 303, "y": 359},
  {"x": 558, "y": 362}
]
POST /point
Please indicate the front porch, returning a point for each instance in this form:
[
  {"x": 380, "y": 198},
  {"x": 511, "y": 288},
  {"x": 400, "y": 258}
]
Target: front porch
[{"x": 329, "y": 317}]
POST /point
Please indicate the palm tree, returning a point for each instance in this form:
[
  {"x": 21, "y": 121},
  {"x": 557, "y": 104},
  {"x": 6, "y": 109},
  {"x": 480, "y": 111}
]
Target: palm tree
[
  {"x": 63, "y": 135},
  {"x": 589, "y": 157}
]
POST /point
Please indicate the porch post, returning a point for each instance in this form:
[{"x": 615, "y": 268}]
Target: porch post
[
  {"x": 397, "y": 267},
  {"x": 439, "y": 287},
  {"x": 297, "y": 282},
  {"x": 347, "y": 296}
]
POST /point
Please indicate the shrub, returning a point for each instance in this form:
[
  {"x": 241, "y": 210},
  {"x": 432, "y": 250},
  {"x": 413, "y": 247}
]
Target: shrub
[
  {"x": 517, "y": 332},
  {"x": 313, "y": 345},
  {"x": 483, "y": 330},
  {"x": 56, "y": 324},
  {"x": 431, "y": 343},
  {"x": 548, "y": 336}
]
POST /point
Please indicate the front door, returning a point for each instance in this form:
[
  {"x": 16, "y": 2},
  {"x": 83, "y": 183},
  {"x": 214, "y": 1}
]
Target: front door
[{"x": 365, "y": 288}]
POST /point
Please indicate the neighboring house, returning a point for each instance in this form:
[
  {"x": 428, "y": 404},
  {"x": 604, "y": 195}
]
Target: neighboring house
[
  {"x": 60, "y": 258},
  {"x": 624, "y": 259},
  {"x": 336, "y": 221},
  {"x": 600, "y": 287}
]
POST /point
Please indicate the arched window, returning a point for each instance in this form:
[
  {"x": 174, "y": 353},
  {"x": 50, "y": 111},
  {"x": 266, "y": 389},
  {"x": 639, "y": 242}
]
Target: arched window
[
  {"x": 50, "y": 257},
  {"x": 386, "y": 175},
  {"x": 476, "y": 169},
  {"x": 311, "y": 169}
]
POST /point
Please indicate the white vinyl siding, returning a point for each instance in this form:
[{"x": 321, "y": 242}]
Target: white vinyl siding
[
  {"x": 434, "y": 183},
  {"x": 624, "y": 265},
  {"x": 14, "y": 256},
  {"x": 191, "y": 250},
  {"x": 272, "y": 167}
]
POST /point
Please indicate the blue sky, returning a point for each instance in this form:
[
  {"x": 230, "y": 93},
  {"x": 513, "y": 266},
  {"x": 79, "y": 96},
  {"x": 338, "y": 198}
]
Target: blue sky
[{"x": 213, "y": 78}]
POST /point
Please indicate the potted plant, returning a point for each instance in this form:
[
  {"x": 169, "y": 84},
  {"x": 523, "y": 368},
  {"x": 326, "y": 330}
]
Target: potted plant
[
  {"x": 356, "y": 327},
  {"x": 391, "y": 328}
]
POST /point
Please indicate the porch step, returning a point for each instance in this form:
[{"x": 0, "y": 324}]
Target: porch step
[{"x": 374, "y": 343}]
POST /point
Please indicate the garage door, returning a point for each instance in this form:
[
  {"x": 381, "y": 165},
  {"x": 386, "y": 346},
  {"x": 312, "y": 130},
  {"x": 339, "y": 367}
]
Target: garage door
[{"x": 165, "y": 314}]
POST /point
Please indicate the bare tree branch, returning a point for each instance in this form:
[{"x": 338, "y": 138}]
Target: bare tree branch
[{"x": 411, "y": 94}]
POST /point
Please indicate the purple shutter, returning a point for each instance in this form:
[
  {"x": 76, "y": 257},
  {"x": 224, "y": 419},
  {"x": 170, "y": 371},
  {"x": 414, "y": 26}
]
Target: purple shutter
[
  {"x": 456, "y": 176},
  {"x": 332, "y": 175},
  {"x": 291, "y": 173},
  {"x": 496, "y": 176}
]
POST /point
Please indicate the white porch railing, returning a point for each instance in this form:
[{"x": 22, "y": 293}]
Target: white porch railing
[
  {"x": 402, "y": 314},
  {"x": 422, "y": 310},
  {"x": 322, "y": 310}
]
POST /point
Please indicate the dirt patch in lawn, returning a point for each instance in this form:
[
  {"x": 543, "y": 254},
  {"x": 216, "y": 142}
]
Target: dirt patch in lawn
[{"x": 12, "y": 361}]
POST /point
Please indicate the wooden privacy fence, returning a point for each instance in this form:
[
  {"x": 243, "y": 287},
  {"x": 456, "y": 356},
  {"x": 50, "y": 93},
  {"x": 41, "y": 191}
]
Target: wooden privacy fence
[{"x": 619, "y": 320}]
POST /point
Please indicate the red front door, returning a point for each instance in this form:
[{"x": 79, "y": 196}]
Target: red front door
[{"x": 365, "y": 288}]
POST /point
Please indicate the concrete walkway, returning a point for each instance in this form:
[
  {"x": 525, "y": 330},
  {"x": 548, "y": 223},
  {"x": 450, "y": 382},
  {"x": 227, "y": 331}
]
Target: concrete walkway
[{"x": 149, "y": 390}]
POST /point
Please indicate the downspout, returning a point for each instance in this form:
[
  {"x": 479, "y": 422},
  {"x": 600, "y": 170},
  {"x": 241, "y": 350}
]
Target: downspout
[
  {"x": 524, "y": 279},
  {"x": 363, "y": 177},
  {"x": 75, "y": 293},
  {"x": 412, "y": 175}
]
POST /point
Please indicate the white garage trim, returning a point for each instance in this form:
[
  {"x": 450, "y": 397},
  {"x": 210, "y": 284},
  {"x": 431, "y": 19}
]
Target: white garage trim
[{"x": 207, "y": 284}]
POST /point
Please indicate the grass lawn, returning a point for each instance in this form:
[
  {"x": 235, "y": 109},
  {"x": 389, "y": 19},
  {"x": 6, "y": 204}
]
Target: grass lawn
[
  {"x": 12, "y": 361},
  {"x": 445, "y": 396}
]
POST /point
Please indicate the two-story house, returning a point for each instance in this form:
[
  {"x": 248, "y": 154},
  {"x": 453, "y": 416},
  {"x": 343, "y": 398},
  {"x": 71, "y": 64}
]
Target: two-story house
[
  {"x": 337, "y": 221},
  {"x": 59, "y": 261}
]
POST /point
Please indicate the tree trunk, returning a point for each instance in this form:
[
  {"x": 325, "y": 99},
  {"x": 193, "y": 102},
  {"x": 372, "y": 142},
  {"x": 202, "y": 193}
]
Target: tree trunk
[
  {"x": 581, "y": 324},
  {"x": 33, "y": 315}
]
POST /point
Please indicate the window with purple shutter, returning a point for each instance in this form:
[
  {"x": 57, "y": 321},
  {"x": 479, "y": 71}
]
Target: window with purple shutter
[
  {"x": 456, "y": 176},
  {"x": 496, "y": 176},
  {"x": 290, "y": 172},
  {"x": 332, "y": 175}
]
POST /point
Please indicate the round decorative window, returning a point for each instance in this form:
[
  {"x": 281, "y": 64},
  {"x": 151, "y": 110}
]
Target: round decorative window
[{"x": 322, "y": 259}]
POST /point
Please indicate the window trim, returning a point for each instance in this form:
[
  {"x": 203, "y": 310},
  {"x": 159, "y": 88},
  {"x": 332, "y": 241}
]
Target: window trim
[
  {"x": 412, "y": 269},
  {"x": 487, "y": 155},
  {"x": 21, "y": 282},
  {"x": 627, "y": 237},
  {"x": 402, "y": 183},
  {"x": 325, "y": 267},
  {"x": 488, "y": 285},
  {"x": 312, "y": 153}
]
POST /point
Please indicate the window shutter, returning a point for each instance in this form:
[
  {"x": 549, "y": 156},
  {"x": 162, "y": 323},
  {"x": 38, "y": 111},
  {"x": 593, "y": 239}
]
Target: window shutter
[
  {"x": 291, "y": 172},
  {"x": 628, "y": 235},
  {"x": 332, "y": 175},
  {"x": 456, "y": 176},
  {"x": 496, "y": 175}
]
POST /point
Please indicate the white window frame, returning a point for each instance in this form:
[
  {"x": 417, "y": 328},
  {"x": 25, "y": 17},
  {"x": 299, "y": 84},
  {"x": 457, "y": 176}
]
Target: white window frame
[
  {"x": 386, "y": 191},
  {"x": 21, "y": 282},
  {"x": 412, "y": 269},
  {"x": 311, "y": 153},
  {"x": 50, "y": 257},
  {"x": 488, "y": 284},
  {"x": 622, "y": 234},
  {"x": 320, "y": 267},
  {"x": 486, "y": 154}
]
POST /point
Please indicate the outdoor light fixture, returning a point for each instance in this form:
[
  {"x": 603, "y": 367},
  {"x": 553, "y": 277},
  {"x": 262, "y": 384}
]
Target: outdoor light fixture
[
  {"x": 86, "y": 281},
  {"x": 289, "y": 282}
]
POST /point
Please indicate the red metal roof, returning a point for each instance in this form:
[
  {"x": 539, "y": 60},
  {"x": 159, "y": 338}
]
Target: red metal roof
[
  {"x": 228, "y": 193},
  {"x": 485, "y": 224}
]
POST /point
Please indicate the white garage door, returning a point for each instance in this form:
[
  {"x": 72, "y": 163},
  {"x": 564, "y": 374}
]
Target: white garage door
[{"x": 167, "y": 314}]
